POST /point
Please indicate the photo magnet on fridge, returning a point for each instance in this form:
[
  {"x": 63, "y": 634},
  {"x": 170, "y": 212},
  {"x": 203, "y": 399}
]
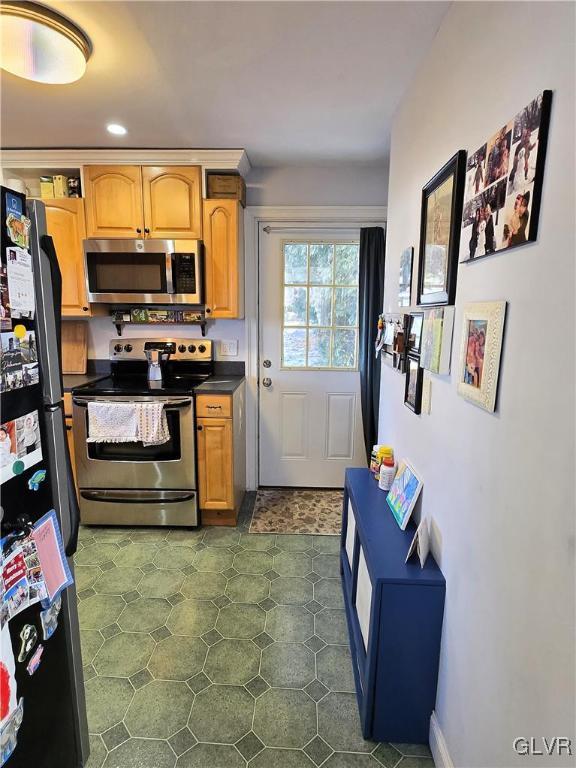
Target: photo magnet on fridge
[
  {"x": 28, "y": 639},
  {"x": 34, "y": 662},
  {"x": 49, "y": 618}
]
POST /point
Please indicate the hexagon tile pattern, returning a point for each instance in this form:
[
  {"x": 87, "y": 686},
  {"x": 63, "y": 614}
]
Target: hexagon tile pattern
[{"x": 207, "y": 648}]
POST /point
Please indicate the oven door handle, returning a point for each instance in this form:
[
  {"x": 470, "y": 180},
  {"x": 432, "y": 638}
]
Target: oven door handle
[
  {"x": 83, "y": 402},
  {"x": 168, "y": 497}
]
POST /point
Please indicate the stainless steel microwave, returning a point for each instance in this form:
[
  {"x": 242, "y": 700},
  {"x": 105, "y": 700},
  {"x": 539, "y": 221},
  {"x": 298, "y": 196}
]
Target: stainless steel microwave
[{"x": 144, "y": 271}]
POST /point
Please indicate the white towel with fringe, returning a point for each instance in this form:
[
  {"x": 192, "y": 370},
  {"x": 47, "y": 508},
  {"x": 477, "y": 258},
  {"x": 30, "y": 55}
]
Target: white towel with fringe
[{"x": 113, "y": 422}]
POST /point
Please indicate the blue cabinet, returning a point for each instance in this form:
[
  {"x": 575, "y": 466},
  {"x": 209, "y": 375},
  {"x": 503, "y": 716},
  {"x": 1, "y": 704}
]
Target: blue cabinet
[{"x": 394, "y": 611}]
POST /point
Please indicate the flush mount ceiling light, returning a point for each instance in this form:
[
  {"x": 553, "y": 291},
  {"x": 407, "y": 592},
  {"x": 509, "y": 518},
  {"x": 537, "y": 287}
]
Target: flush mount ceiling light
[
  {"x": 117, "y": 130},
  {"x": 40, "y": 44}
]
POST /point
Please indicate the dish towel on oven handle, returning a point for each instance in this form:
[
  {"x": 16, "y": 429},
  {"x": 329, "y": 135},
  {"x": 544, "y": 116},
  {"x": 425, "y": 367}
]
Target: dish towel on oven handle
[
  {"x": 152, "y": 423},
  {"x": 113, "y": 422}
]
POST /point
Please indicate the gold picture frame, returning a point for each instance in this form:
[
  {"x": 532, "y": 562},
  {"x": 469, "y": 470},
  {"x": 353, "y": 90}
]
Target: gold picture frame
[{"x": 480, "y": 352}]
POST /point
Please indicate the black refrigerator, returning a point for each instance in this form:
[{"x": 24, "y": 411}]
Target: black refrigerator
[{"x": 49, "y": 728}]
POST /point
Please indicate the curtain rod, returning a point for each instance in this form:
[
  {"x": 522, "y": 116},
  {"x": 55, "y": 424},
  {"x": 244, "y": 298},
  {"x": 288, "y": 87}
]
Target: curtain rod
[{"x": 347, "y": 227}]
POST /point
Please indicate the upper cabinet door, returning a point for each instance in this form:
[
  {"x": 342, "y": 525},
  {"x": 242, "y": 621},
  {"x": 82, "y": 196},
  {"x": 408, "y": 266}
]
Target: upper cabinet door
[
  {"x": 65, "y": 223},
  {"x": 172, "y": 201},
  {"x": 224, "y": 266},
  {"x": 113, "y": 195}
]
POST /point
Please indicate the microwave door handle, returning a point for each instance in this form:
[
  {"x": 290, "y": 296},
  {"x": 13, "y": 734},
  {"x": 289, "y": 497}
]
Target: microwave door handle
[{"x": 169, "y": 273}]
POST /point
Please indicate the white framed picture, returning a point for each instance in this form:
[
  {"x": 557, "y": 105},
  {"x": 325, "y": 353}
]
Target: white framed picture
[{"x": 480, "y": 352}]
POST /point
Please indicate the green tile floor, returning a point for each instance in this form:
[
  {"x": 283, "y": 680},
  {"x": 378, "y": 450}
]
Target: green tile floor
[{"x": 216, "y": 648}]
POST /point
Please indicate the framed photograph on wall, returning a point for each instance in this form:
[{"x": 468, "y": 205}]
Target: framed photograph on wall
[
  {"x": 413, "y": 385},
  {"x": 480, "y": 352},
  {"x": 436, "y": 345},
  {"x": 405, "y": 278},
  {"x": 414, "y": 322},
  {"x": 504, "y": 184},
  {"x": 440, "y": 219}
]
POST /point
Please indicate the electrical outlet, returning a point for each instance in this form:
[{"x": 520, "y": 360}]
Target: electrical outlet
[{"x": 229, "y": 348}]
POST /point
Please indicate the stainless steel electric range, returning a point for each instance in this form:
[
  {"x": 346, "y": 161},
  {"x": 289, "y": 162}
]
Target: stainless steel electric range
[{"x": 132, "y": 483}]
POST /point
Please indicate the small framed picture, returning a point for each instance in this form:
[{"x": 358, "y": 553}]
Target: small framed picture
[
  {"x": 440, "y": 221},
  {"x": 405, "y": 278},
  {"x": 413, "y": 386},
  {"x": 404, "y": 493},
  {"x": 480, "y": 352},
  {"x": 414, "y": 324}
]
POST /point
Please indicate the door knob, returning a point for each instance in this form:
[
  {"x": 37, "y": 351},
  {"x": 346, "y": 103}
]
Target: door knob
[
  {"x": 266, "y": 363},
  {"x": 266, "y": 382}
]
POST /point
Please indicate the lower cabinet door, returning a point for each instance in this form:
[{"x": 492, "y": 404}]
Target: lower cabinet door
[
  {"x": 350, "y": 534},
  {"x": 363, "y": 598},
  {"x": 215, "y": 472}
]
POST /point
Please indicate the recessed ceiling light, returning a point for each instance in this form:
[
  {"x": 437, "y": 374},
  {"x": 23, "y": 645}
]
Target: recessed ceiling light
[
  {"x": 117, "y": 130},
  {"x": 40, "y": 44}
]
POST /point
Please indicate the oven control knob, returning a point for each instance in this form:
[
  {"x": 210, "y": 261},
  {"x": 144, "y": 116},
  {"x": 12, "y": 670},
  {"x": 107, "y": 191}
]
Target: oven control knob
[
  {"x": 182, "y": 348},
  {"x": 202, "y": 349},
  {"x": 192, "y": 348},
  {"x": 118, "y": 348},
  {"x": 128, "y": 348}
]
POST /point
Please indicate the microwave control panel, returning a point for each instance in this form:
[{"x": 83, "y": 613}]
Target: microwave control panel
[{"x": 184, "y": 273}]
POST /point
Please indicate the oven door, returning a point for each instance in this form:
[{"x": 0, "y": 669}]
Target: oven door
[{"x": 134, "y": 465}]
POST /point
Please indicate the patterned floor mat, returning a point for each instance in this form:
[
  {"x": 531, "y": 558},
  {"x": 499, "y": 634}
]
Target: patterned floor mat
[{"x": 289, "y": 510}]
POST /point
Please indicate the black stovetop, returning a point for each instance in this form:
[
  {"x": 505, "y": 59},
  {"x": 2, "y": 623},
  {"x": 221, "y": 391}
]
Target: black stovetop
[
  {"x": 139, "y": 385},
  {"x": 130, "y": 378}
]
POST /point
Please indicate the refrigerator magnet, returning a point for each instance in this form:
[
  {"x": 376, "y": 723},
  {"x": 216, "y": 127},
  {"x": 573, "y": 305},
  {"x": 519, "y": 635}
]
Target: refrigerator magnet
[
  {"x": 34, "y": 662},
  {"x": 49, "y": 618},
  {"x": 38, "y": 477},
  {"x": 28, "y": 639},
  {"x": 9, "y": 731},
  {"x": 20, "y": 445},
  {"x": 53, "y": 561}
]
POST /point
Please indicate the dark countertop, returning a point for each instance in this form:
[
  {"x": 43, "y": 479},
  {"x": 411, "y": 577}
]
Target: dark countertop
[
  {"x": 219, "y": 385},
  {"x": 72, "y": 380}
]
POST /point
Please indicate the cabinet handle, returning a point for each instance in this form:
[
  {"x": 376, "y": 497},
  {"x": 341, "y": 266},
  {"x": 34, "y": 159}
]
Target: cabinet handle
[
  {"x": 138, "y": 230},
  {"x": 208, "y": 310},
  {"x": 214, "y": 407},
  {"x": 199, "y": 428},
  {"x": 85, "y": 309},
  {"x": 146, "y": 231}
]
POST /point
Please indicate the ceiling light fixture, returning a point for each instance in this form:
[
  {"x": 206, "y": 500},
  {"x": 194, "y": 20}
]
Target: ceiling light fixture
[
  {"x": 117, "y": 130},
  {"x": 40, "y": 44}
]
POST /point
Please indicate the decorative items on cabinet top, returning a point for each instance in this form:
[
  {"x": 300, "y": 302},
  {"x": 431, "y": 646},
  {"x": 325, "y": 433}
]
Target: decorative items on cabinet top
[{"x": 385, "y": 544}]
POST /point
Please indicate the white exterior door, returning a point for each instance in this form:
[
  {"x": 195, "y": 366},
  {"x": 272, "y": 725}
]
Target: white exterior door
[{"x": 309, "y": 393}]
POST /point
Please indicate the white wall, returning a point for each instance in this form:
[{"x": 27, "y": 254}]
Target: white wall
[
  {"x": 499, "y": 487},
  {"x": 101, "y": 330},
  {"x": 343, "y": 184}
]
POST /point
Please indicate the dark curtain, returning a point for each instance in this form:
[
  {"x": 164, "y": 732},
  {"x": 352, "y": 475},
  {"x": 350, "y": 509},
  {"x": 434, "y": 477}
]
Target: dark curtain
[{"x": 371, "y": 300}]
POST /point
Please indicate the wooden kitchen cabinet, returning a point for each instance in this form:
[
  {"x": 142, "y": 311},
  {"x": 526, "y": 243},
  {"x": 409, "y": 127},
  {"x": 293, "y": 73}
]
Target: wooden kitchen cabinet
[
  {"x": 215, "y": 463},
  {"x": 136, "y": 201},
  {"x": 221, "y": 448},
  {"x": 66, "y": 225},
  {"x": 224, "y": 258},
  {"x": 113, "y": 197},
  {"x": 172, "y": 202}
]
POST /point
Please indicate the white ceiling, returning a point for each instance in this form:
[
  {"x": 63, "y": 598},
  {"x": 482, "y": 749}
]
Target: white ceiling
[{"x": 291, "y": 82}]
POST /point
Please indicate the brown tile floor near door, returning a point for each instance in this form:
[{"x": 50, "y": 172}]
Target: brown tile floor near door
[
  {"x": 289, "y": 510},
  {"x": 219, "y": 648}
]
